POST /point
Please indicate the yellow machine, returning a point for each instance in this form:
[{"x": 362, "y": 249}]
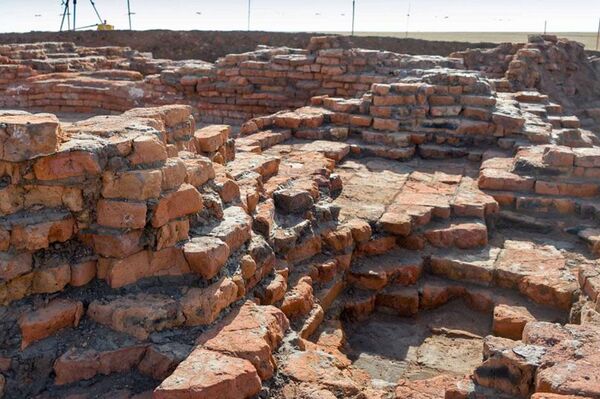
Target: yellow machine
[
  {"x": 102, "y": 25},
  {"x": 105, "y": 26}
]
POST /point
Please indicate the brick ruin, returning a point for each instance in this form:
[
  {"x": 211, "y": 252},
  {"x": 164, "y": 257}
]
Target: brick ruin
[{"x": 327, "y": 222}]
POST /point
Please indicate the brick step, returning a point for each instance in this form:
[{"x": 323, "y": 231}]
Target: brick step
[
  {"x": 332, "y": 149},
  {"x": 591, "y": 236},
  {"x": 554, "y": 109},
  {"x": 534, "y": 204},
  {"x": 263, "y": 140},
  {"x": 299, "y": 299},
  {"x": 576, "y": 138},
  {"x": 32, "y": 230},
  {"x": 95, "y": 351},
  {"x": 435, "y": 291},
  {"x": 531, "y": 97},
  {"x": 551, "y": 170},
  {"x": 389, "y": 139},
  {"x": 394, "y": 267},
  {"x": 62, "y": 55},
  {"x": 419, "y": 205},
  {"x": 245, "y": 162},
  {"x": 234, "y": 228},
  {"x": 328, "y": 292},
  {"x": 556, "y": 186},
  {"x": 535, "y": 271},
  {"x": 540, "y": 223},
  {"x": 460, "y": 233},
  {"x": 441, "y": 151},
  {"x": 544, "y": 222},
  {"x": 307, "y": 325},
  {"x": 536, "y": 109},
  {"x": 474, "y": 266},
  {"x": 539, "y": 272},
  {"x": 431, "y": 292},
  {"x": 564, "y": 122},
  {"x": 359, "y": 148},
  {"x": 170, "y": 305},
  {"x": 588, "y": 232},
  {"x": 502, "y": 84},
  {"x": 404, "y": 139},
  {"x": 203, "y": 251}
]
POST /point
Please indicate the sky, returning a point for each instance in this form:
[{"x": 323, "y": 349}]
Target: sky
[{"x": 315, "y": 15}]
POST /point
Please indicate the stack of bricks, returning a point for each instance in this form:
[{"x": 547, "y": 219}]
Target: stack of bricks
[
  {"x": 454, "y": 109},
  {"x": 109, "y": 197},
  {"x": 48, "y": 57},
  {"x": 62, "y": 77},
  {"x": 492, "y": 62},
  {"x": 90, "y": 92},
  {"x": 557, "y": 67},
  {"x": 455, "y": 103},
  {"x": 9, "y": 73},
  {"x": 267, "y": 80}
]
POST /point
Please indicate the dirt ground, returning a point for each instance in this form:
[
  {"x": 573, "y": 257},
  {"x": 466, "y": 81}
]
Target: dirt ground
[
  {"x": 391, "y": 347},
  {"x": 587, "y": 38},
  {"x": 210, "y": 45}
]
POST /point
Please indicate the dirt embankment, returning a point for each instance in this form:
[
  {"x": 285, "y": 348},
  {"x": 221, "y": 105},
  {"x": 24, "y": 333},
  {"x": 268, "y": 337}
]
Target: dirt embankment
[{"x": 210, "y": 45}]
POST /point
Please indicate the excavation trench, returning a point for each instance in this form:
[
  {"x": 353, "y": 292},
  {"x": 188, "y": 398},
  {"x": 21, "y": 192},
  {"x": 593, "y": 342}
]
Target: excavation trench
[{"x": 447, "y": 340}]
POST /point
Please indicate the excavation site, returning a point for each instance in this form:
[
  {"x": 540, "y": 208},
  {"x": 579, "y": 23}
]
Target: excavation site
[{"x": 300, "y": 223}]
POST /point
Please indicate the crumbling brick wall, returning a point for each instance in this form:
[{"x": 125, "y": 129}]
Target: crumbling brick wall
[
  {"x": 234, "y": 89},
  {"x": 108, "y": 196},
  {"x": 241, "y": 86}
]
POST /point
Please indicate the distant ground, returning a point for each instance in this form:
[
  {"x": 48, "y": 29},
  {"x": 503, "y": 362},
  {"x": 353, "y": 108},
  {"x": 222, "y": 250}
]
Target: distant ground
[
  {"x": 210, "y": 45},
  {"x": 587, "y": 38}
]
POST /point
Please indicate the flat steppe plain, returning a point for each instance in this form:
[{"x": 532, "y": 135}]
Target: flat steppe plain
[{"x": 587, "y": 38}]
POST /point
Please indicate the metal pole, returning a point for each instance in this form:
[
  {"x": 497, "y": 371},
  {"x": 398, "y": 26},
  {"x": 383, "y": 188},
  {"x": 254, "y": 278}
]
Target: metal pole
[
  {"x": 129, "y": 13},
  {"x": 407, "y": 19},
  {"x": 249, "y": 8},
  {"x": 74, "y": 14},
  {"x": 353, "y": 13},
  {"x": 545, "y": 26},
  {"x": 598, "y": 36},
  {"x": 65, "y": 15},
  {"x": 96, "y": 11}
]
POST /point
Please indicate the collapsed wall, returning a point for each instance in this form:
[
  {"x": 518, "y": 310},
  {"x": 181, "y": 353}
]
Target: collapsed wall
[
  {"x": 558, "y": 68},
  {"x": 142, "y": 256}
]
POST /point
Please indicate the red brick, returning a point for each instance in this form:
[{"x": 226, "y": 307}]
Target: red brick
[
  {"x": 147, "y": 149},
  {"x": 206, "y": 255},
  {"x": 208, "y": 375},
  {"x": 186, "y": 200},
  {"x": 82, "y": 273},
  {"x": 46, "y": 321},
  {"x": 121, "y": 214},
  {"x": 67, "y": 165}
]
